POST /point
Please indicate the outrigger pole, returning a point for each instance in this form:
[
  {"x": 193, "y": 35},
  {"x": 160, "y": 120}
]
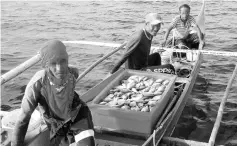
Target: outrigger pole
[
  {"x": 207, "y": 52},
  {"x": 100, "y": 60},
  {"x": 221, "y": 109},
  {"x": 19, "y": 69},
  {"x": 35, "y": 59}
]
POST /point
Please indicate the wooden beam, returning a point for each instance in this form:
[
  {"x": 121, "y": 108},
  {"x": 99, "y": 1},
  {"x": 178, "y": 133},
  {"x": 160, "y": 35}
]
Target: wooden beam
[
  {"x": 221, "y": 109},
  {"x": 157, "y": 48},
  {"x": 19, "y": 69},
  {"x": 100, "y": 60},
  {"x": 182, "y": 142}
]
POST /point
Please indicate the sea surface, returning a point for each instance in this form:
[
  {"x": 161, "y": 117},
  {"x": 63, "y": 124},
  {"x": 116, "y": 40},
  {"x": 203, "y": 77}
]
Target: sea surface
[{"x": 26, "y": 26}]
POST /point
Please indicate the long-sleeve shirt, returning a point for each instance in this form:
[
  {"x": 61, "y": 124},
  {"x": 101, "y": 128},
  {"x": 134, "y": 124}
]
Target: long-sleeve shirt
[
  {"x": 56, "y": 104},
  {"x": 136, "y": 55}
]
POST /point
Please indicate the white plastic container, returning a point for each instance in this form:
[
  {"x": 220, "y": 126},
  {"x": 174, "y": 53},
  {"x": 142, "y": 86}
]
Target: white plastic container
[
  {"x": 192, "y": 56},
  {"x": 166, "y": 57}
]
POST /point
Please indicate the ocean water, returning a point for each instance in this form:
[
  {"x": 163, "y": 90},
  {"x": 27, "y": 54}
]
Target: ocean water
[{"x": 25, "y": 26}]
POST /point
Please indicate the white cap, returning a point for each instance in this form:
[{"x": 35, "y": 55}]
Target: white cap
[{"x": 153, "y": 18}]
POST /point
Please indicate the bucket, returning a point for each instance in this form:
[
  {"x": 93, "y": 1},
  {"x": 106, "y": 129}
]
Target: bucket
[
  {"x": 9, "y": 121},
  {"x": 192, "y": 56},
  {"x": 166, "y": 57}
]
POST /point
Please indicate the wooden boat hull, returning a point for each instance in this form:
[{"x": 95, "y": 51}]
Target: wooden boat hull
[
  {"x": 108, "y": 136},
  {"x": 113, "y": 137}
]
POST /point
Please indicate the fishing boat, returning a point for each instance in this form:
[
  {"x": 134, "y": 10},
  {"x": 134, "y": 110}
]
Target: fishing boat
[{"x": 165, "y": 124}]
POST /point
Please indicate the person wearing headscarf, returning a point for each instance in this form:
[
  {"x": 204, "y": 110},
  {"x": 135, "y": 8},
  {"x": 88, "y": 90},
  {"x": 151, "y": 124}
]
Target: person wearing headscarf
[{"x": 53, "y": 90}]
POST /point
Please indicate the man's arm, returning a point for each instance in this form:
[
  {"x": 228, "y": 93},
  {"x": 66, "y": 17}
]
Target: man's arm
[
  {"x": 131, "y": 46},
  {"x": 28, "y": 105},
  {"x": 167, "y": 34},
  {"x": 171, "y": 26},
  {"x": 19, "y": 132}
]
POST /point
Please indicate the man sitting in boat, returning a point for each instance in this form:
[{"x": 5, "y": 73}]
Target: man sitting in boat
[
  {"x": 137, "y": 55},
  {"x": 52, "y": 89},
  {"x": 182, "y": 26}
]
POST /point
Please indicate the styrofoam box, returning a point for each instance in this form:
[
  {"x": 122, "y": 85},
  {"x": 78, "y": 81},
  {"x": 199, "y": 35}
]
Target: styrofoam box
[{"x": 130, "y": 121}]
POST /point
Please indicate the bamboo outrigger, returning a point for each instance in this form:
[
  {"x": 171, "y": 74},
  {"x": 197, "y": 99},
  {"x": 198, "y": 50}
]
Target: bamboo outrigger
[{"x": 166, "y": 123}]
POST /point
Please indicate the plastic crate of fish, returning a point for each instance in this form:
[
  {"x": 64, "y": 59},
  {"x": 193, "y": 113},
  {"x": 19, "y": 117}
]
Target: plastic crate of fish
[{"x": 133, "y": 101}]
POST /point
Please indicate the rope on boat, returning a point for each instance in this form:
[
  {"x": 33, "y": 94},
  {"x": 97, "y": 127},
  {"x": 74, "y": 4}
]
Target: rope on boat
[{"x": 221, "y": 109}]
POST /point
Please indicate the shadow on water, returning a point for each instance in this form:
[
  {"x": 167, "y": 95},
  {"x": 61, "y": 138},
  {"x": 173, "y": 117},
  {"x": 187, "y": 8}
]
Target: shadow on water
[
  {"x": 14, "y": 102},
  {"x": 200, "y": 113},
  {"x": 192, "y": 114},
  {"x": 188, "y": 121}
]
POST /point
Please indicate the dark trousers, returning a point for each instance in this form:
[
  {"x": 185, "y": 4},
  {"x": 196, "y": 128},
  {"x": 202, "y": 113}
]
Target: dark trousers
[
  {"x": 154, "y": 65},
  {"x": 83, "y": 121},
  {"x": 154, "y": 59},
  {"x": 65, "y": 135},
  {"x": 191, "y": 41}
]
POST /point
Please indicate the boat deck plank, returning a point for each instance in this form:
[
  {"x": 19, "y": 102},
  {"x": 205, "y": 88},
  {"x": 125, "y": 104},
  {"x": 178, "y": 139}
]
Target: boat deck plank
[{"x": 171, "y": 141}]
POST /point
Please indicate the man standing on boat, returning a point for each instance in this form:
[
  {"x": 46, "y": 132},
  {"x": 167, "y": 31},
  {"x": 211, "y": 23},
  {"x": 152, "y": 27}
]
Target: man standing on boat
[
  {"x": 181, "y": 26},
  {"x": 137, "y": 55},
  {"x": 52, "y": 89}
]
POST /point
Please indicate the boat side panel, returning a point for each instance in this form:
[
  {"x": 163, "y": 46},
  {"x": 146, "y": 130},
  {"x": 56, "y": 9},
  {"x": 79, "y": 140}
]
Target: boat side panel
[
  {"x": 111, "y": 140},
  {"x": 168, "y": 126},
  {"x": 184, "y": 97}
]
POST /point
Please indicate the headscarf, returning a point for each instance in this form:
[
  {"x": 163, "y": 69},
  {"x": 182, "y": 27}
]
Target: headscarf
[{"x": 52, "y": 50}]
